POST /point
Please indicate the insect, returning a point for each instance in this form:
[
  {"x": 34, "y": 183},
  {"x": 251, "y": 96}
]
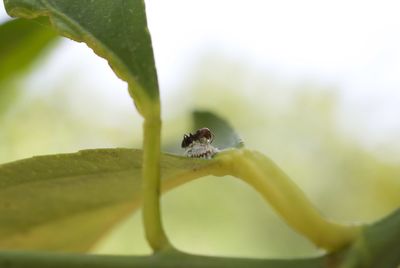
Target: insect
[{"x": 198, "y": 145}]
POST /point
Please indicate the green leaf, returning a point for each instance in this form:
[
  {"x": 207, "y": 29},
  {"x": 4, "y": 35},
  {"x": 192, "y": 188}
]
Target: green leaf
[
  {"x": 225, "y": 135},
  {"x": 67, "y": 202},
  {"x": 377, "y": 246},
  {"x": 22, "y": 43},
  {"x": 115, "y": 30}
]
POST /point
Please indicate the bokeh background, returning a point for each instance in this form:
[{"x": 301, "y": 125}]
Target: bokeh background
[{"x": 312, "y": 84}]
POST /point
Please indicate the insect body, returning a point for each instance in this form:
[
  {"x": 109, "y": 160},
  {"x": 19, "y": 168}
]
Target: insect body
[
  {"x": 201, "y": 135},
  {"x": 198, "y": 145}
]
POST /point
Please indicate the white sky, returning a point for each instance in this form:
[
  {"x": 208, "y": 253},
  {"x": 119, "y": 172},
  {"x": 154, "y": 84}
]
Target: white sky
[{"x": 354, "y": 45}]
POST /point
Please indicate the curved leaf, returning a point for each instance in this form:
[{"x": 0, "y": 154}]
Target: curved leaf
[
  {"x": 115, "y": 30},
  {"x": 67, "y": 202},
  {"x": 225, "y": 135}
]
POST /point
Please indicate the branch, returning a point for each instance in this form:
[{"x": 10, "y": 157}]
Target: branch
[
  {"x": 286, "y": 198},
  {"x": 18, "y": 259}
]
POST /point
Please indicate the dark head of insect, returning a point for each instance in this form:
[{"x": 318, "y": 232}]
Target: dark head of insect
[
  {"x": 187, "y": 140},
  {"x": 201, "y": 135}
]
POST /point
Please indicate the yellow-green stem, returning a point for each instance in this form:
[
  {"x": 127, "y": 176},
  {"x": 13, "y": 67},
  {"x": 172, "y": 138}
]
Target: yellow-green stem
[
  {"x": 154, "y": 231},
  {"x": 286, "y": 198}
]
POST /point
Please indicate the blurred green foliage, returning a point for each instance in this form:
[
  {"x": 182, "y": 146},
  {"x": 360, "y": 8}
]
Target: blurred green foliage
[{"x": 22, "y": 42}]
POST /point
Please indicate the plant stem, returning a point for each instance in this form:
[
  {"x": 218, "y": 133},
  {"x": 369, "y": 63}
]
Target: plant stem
[
  {"x": 378, "y": 247},
  {"x": 278, "y": 190},
  {"x": 20, "y": 259},
  {"x": 286, "y": 198},
  {"x": 154, "y": 231}
]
